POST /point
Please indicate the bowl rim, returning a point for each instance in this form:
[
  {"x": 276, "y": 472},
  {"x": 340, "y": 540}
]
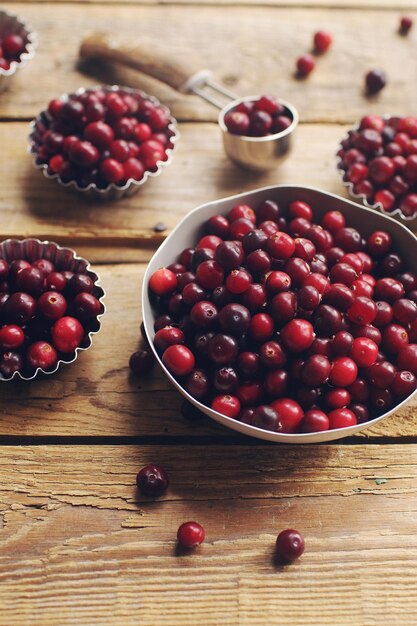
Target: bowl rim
[
  {"x": 265, "y": 138},
  {"x": 31, "y": 44},
  {"x": 131, "y": 182},
  {"x": 396, "y": 214},
  {"x": 233, "y": 424},
  {"x": 97, "y": 283}
]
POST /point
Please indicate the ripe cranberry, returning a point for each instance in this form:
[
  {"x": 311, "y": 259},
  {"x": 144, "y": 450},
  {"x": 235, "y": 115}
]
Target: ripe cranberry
[
  {"x": 237, "y": 123},
  {"x": 406, "y": 23},
  {"x": 341, "y": 344},
  {"x": 297, "y": 335},
  {"x": 19, "y": 308},
  {"x": 84, "y": 154},
  {"x": 277, "y": 281},
  {"x": 309, "y": 298},
  {"x": 314, "y": 421},
  {"x": 234, "y": 319},
  {"x": 10, "y": 363},
  {"x": 375, "y": 80},
  {"x": 204, "y": 314},
  {"x": 343, "y": 273},
  {"x": 168, "y": 336},
  {"x": 304, "y": 249},
  {"x": 209, "y": 274},
  {"x": 305, "y": 65},
  {"x": 364, "y": 351},
  {"x": 111, "y": 170},
  {"x": 238, "y": 281},
  {"x": 322, "y": 41},
  {"x": 45, "y": 266},
  {"x": 394, "y": 338},
  {"x": 379, "y": 243},
  {"x": 222, "y": 349},
  {"x": 280, "y": 245},
  {"x": 348, "y": 238},
  {"x": 162, "y": 282},
  {"x": 382, "y": 374},
  {"x": 266, "y": 417},
  {"x": 342, "y": 418},
  {"x": 152, "y": 480},
  {"x": 388, "y": 289},
  {"x": 85, "y": 306},
  {"x": 381, "y": 399},
  {"x": 290, "y": 544},
  {"x": 289, "y": 412},
  {"x": 178, "y": 359},
  {"x": 298, "y": 270},
  {"x": 190, "y": 535},
  {"x": 30, "y": 280},
  {"x": 337, "y": 398},
  {"x": 326, "y": 320},
  {"x": 11, "y": 337},
  {"x": 41, "y": 354},
  {"x": 261, "y": 327},
  {"x": 405, "y": 310},
  {"x": 362, "y": 311},
  {"x": 407, "y": 358},
  {"x": 67, "y": 334},
  {"x": 52, "y": 305},
  {"x": 13, "y": 45},
  {"x": 403, "y": 384},
  {"x": 333, "y": 221},
  {"x": 343, "y": 373},
  {"x": 141, "y": 363},
  {"x": 226, "y": 405},
  {"x": 218, "y": 225},
  {"x": 315, "y": 370},
  {"x": 339, "y": 296}
]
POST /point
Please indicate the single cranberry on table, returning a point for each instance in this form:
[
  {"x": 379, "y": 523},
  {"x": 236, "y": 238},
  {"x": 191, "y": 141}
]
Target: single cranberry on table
[
  {"x": 305, "y": 65},
  {"x": 290, "y": 544},
  {"x": 190, "y": 534},
  {"x": 141, "y": 362},
  {"x": 152, "y": 480}
]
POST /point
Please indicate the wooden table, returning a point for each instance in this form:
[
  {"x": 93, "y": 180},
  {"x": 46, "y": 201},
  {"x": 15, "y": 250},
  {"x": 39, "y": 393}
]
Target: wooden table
[{"x": 78, "y": 544}]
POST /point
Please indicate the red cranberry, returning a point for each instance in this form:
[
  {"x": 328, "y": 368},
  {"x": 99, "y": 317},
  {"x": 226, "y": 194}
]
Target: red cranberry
[
  {"x": 11, "y": 337},
  {"x": 297, "y": 335},
  {"x": 152, "y": 480},
  {"x": 280, "y": 245},
  {"x": 168, "y": 336},
  {"x": 226, "y": 405},
  {"x": 290, "y": 544},
  {"x": 342, "y": 418},
  {"x": 13, "y": 45},
  {"x": 375, "y": 80},
  {"x": 305, "y": 65},
  {"x": 266, "y": 417},
  {"x": 315, "y": 370},
  {"x": 337, "y": 398},
  {"x": 343, "y": 373},
  {"x": 326, "y": 320},
  {"x": 364, "y": 351},
  {"x": 162, "y": 282},
  {"x": 178, "y": 359},
  {"x": 141, "y": 363},
  {"x": 222, "y": 349},
  {"x": 190, "y": 535},
  {"x": 111, "y": 170},
  {"x": 341, "y": 344},
  {"x": 290, "y": 414},
  {"x": 362, "y": 311},
  {"x": 41, "y": 354},
  {"x": 234, "y": 319},
  {"x": 406, "y": 23},
  {"x": 67, "y": 334},
  {"x": 30, "y": 280},
  {"x": 394, "y": 338},
  {"x": 52, "y": 305},
  {"x": 382, "y": 374},
  {"x": 403, "y": 384},
  {"x": 19, "y": 308},
  {"x": 379, "y": 243},
  {"x": 322, "y": 41},
  {"x": 85, "y": 306},
  {"x": 10, "y": 363}
]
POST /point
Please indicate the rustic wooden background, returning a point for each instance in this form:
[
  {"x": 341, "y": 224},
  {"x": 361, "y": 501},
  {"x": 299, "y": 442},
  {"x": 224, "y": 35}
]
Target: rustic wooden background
[{"x": 77, "y": 545}]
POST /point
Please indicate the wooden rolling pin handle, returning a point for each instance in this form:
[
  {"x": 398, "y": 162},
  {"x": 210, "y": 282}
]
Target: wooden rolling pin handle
[{"x": 141, "y": 56}]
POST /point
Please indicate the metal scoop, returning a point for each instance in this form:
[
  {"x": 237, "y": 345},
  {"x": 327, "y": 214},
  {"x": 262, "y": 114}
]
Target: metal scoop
[{"x": 256, "y": 153}]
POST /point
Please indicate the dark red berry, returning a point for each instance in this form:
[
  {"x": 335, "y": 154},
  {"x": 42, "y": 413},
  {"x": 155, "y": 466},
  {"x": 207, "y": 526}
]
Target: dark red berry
[{"x": 152, "y": 480}]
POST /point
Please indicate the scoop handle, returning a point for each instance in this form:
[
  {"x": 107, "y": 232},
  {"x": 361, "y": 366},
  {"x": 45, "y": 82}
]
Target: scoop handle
[{"x": 143, "y": 56}]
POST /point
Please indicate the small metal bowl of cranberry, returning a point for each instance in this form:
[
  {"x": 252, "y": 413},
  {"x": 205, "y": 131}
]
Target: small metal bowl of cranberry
[
  {"x": 103, "y": 142},
  {"x": 51, "y": 303},
  {"x": 279, "y": 337},
  {"x": 257, "y": 131},
  {"x": 17, "y": 46},
  {"x": 378, "y": 163}
]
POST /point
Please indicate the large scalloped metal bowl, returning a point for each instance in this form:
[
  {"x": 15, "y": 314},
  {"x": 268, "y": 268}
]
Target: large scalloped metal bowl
[
  {"x": 64, "y": 259},
  {"x": 189, "y": 230}
]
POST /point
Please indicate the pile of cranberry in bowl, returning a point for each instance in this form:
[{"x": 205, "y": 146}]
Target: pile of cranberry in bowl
[
  {"x": 286, "y": 313},
  {"x": 104, "y": 142},
  {"x": 50, "y": 306},
  {"x": 378, "y": 159}
]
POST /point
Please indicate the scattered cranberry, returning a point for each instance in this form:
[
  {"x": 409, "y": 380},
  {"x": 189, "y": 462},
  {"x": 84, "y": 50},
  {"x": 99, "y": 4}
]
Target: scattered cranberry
[
  {"x": 406, "y": 23},
  {"x": 375, "y": 80},
  {"x": 152, "y": 481},
  {"x": 290, "y": 544},
  {"x": 103, "y": 138},
  {"x": 305, "y": 65},
  {"x": 190, "y": 535},
  {"x": 322, "y": 41},
  {"x": 141, "y": 363}
]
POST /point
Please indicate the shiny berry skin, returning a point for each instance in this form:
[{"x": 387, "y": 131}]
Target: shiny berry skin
[
  {"x": 394, "y": 338},
  {"x": 163, "y": 282},
  {"x": 13, "y": 45},
  {"x": 260, "y": 123},
  {"x": 52, "y": 305},
  {"x": 280, "y": 245},
  {"x": 237, "y": 122},
  {"x": 265, "y": 417},
  {"x": 10, "y": 363},
  {"x": 339, "y": 296},
  {"x": 197, "y": 384},
  {"x": 111, "y": 170},
  {"x": 309, "y": 298},
  {"x": 343, "y": 273},
  {"x": 297, "y": 335},
  {"x": 99, "y": 134},
  {"x": 316, "y": 370},
  {"x": 277, "y": 281},
  {"x": 333, "y": 221},
  {"x": 322, "y": 41},
  {"x": 19, "y": 308},
  {"x": 238, "y": 281},
  {"x": 209, "y": 274},
  {"x": 388, "y": 289},
  {"x": 141, "y": 363},
  {"x": 11, "y": 337},
  {"x": 84, "y": 154},
  {"x": 272, "y": 354},
  {"x": 341, "y": 344},
  {"x": 289, "y": 412},
  {"x": 204, "y": 314},
  {"x": 234, "y": 319},
  {"x": 85, "y": 306},
  {"x": 190, "y": 535},
  {"x": 290, "y": 544},
  {"x": 178, "y": 359},
  {"x": 406, "y": 23},
  {"x": 375, "y": 80},
  {"x": 403, "y": 384},
  {"x": 379, "y": 243},
  {"x": 314, "y": 421},
  {"x": 30, "y": 280},
  {"x": 305, "y": 65},
  {"x": 382, "y": 374},
  {"x": 67, "y": 334},
  {"x": 168, "y": 336},
  {"x": 298, "y": 208},
  {"x": 261, "y": 327},
  {"x": 152, "y": 481},
  {"x": 405, "y": 310},
  {"x": 337, "y": 398},
  {"x": 362, "y": 311},
  {"x": 226, "y": 405},
  {"x": 342, "y": 418},
  {"x": 364, "y": 351},
  {"x": 41, "y": 354},
  {"x": 343, "y": 373}
]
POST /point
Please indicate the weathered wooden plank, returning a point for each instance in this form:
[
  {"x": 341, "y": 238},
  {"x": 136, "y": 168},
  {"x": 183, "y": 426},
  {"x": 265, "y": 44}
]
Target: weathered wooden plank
[
  {"x": 80, "y": 546},
  {"x": 225, "y": 42},
  {"x": 31, "y": 205},
  {"x": 345, "y": 4},
  {"x": 97, "y": 397}
]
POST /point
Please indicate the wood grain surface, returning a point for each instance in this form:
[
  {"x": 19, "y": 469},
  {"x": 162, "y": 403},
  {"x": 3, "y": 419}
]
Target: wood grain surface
[{"x": 81, "y": 546}]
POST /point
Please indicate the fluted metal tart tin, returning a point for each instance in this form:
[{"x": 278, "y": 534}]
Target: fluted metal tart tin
[
  {"x": 11, "y": 24},
  {"x": 64, "y": 259},
  {"x": 112, "y": 191}
]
